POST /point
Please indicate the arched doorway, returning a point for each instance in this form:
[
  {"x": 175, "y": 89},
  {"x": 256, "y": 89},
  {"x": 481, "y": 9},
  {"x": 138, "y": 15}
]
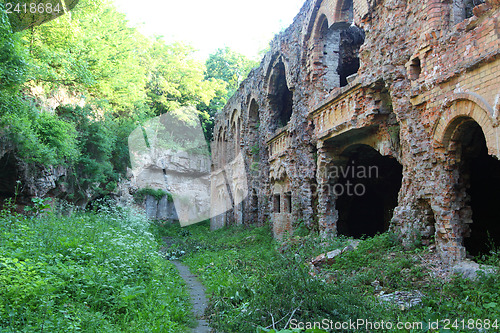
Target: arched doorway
[
  {"x": 367, "y": 191},
  {"x": 480, "y": 176}
]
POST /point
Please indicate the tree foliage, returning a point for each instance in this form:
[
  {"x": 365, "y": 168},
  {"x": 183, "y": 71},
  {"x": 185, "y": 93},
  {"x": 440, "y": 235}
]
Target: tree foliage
[
  {"x": 228, "y": 66},
  {"x": 176, "y": 79},
  {"x": 124, "y": 78}
]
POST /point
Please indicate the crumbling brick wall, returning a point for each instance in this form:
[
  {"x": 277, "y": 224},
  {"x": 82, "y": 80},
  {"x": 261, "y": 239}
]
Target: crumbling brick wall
[{"x": 424, "y": 73}]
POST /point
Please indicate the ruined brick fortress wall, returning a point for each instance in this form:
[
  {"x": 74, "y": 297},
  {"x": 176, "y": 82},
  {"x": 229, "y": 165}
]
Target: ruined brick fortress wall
[{"x": 367, "y": 116}]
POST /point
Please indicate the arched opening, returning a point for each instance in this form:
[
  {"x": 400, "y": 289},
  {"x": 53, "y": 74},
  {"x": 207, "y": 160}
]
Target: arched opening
[
  {"x": 235, "y": 131},
  {"x": 367, "y": 191},
  {"x": 253, "y": 133},
  {"x": 224, "y": 147},
  {"x": 351, "y": 40},
  {"x": 280, "y": 96},
  {"x": 253, "y": 116},
  {"x": 238, "y": 136},
  {"x": 327, "y": 58},
  {"x": 219, "y": 147},
  {"x": 336, "y": 48},
  {"x": 480, "y": 175}
]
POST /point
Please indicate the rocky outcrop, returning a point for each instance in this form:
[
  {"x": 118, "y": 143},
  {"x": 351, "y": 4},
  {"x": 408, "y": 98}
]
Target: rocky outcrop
[
  {"x": 34, "y": 180},
  {"x": 162, "y": 210},
  {"x": 183, "y": 171}
]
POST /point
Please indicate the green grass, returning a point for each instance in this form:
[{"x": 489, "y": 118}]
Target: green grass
[
  {"x": 254, "y": 281},
  {"x": 90, "y": 272}
]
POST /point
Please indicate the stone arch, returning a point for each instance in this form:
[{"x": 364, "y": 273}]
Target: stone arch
[
  {"x": 334, "y": 44},
  {"x": 344, "y": 11},
  {"x": 475, "y": 180},
  {"x": 461, "y": 108},
  {"x": 235, "y": 123},
  {"x": 253, "y": 124},
  {"x": 220, "y": 148},
  {"x": 224, "y": 146},
  {"x": 335, "y": 11}
]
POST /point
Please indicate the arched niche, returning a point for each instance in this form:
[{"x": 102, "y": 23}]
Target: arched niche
[
  {"x": 366, "y": 190},
  {"x": 236, "y": 129},
  {"x": 335, "y": 43},
  {"x": 253, "y": 115},
  {"x": 479, "y": 177}
]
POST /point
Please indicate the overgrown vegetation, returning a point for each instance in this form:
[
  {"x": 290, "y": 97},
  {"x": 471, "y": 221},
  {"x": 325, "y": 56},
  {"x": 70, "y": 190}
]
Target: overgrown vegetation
[
  {"x": 119, "y": 78},
  {"x": 255, "y": 281},
  {"x": 88, "y": 272},
  {"x": 141, "y": 194}
]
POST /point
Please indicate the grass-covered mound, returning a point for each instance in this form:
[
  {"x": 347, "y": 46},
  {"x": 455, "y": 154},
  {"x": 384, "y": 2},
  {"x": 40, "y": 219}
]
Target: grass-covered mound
[{"x": 90, "y": 272}]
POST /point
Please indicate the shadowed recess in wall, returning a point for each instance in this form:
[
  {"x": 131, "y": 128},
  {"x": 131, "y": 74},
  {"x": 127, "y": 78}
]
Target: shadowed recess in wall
[
  {"x": 480, "y": 174},
  {"x": 368, "y": 208}
]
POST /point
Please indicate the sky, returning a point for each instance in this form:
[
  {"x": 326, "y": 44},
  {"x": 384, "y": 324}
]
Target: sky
[{"x": 244, "y": 26}]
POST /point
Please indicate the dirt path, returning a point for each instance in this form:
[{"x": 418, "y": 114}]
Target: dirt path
[{"x": 198, "y": 298}]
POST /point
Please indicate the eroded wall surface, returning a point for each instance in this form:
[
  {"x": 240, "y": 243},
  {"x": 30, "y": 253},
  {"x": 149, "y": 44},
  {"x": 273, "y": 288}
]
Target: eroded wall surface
[{"x": 366, "y": 116}]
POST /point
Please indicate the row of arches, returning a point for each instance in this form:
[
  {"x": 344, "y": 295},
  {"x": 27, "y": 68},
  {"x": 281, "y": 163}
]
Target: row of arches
[
  {"x": 360, "y": 189},
  {"x": 363, "y": 200},
  {"x": 334, "y": 57}
]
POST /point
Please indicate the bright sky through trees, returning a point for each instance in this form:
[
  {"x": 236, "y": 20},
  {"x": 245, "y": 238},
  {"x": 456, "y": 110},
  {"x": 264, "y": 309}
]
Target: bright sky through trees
[{"x": 244, "y": 26}]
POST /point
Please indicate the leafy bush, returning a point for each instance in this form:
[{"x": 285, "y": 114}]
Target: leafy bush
[{"x": 94, "y": 170}]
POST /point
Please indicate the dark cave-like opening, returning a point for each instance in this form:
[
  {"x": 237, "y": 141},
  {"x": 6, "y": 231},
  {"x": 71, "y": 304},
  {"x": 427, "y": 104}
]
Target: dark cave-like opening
[
  {"x": 280, "y": 97},
  {"x": 374, "y": 181},
  {"x": 481, "y": 174},
  {"x": 8, "y": 176}
]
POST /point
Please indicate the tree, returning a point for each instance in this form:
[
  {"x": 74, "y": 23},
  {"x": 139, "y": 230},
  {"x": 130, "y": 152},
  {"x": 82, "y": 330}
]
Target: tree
[
  {"x": 229, "y": 66},
  {"x": 94, "y": 52},
  {"x": 175, "y": 78}
]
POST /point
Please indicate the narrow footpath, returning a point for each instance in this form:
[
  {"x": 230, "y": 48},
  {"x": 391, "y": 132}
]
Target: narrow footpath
[{"x": 198, "y": 298}]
